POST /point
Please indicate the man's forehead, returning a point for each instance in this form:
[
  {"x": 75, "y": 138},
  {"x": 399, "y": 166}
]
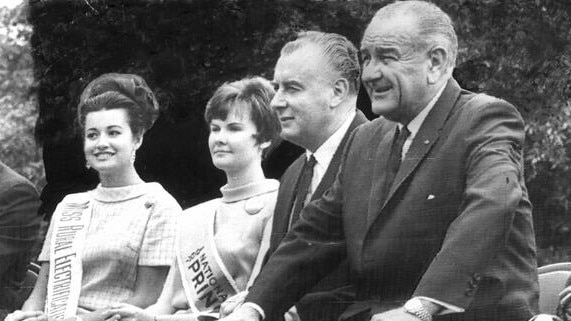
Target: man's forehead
[
  {"x": 298, "y": 65},
  {"x": 388, "y": 31}
]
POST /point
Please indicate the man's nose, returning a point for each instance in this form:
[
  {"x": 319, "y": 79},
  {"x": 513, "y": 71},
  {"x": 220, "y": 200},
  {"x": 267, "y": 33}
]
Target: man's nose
[
  {"x": 278, "y": 101},
  {"x": 371, "y": 72}
]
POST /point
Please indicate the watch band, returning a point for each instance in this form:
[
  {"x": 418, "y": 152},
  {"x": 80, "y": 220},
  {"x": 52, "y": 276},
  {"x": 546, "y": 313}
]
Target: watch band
[{"x": 414, "y": 306}]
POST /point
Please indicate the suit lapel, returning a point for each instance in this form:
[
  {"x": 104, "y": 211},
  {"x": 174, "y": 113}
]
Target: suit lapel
[
  {"x": 333, "y": 168},
  {"x": 425, "y": 138},
  {"x": 284, "y": 203},
  {"x": 288, "y": 182},
  {"x": 379, "y": 161}
]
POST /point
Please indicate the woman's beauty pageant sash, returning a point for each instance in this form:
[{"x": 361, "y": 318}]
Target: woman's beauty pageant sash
[
  {"x": 206, "y": 281},
  {"x": 70, "y": 223}
]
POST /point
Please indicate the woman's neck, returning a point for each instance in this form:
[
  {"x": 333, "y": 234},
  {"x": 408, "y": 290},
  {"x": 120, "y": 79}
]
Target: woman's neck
[
  {"x": 245, "y": 176},
  {"x": 121, "y": 178}
]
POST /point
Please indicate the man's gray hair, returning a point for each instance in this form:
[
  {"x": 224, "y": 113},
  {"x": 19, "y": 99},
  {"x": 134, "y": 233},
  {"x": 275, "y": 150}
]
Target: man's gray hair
[
  {"x": 342, "y": 56},
  {"x": 434, "y": 25}
]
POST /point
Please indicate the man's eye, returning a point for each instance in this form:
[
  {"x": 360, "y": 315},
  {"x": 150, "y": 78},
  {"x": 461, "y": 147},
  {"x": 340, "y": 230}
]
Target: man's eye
[{"x": 386, "y": 59}]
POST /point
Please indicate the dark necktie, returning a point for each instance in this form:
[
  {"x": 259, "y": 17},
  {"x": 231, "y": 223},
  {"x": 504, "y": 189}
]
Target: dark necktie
[
  {"x": 302, "y": 189},
  {"x": 395, "y": 157}
]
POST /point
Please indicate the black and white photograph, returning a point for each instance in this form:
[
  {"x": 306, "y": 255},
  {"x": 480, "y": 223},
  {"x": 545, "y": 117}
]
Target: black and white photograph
[{"x": 285, "y": 160}]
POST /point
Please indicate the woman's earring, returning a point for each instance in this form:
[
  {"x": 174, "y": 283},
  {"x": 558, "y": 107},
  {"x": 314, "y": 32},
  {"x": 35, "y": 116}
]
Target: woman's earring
[
  {"x": 87, "y": 165},
  {"x": 133, "y": 156}
]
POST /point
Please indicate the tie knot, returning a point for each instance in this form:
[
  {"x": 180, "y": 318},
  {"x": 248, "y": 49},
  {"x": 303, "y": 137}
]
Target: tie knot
[
  {"x": 311, "y": 161},
  {"x": 404, "y": 132}
]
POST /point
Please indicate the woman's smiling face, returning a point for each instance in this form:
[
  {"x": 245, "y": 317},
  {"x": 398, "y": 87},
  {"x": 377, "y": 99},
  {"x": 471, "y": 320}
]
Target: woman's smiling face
[{"x": 109, "y": 142}]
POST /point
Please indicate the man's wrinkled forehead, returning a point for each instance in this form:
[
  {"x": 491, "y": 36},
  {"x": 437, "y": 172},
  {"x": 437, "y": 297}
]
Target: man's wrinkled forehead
[
  {"x": 373, "y": 35},
  {"x": 373, "y": 39},
  {"x": 388, "y": 32}
]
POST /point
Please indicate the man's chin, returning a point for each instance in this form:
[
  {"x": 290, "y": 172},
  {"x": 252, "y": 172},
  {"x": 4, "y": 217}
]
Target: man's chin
[
  {"x": 289, "y": 136},
  {"x": 382, "y": 109}
]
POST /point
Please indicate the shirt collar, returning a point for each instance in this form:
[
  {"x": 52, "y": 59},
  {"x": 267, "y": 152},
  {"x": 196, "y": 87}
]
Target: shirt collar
[
  {"x": 325, "y": 152},
  {"x": 121, "y": 193},
  {"x": 414, "y": 125}
]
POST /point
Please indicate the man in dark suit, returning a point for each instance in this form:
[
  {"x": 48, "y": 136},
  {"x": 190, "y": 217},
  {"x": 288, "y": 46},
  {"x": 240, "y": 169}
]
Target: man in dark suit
[
  {"x": 315, "y": 101},
  {"x": 429, "y": 206},
  {"x": 319, "y": 117},
  {"x": 19, "y": 224}
]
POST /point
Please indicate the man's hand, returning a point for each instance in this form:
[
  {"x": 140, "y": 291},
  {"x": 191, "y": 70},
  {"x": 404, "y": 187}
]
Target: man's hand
[
  {"x": 26, "y": 316},
  {"x": 97, "y": 315},
  {"x": 394, "y": 315},
  {"x": 243, "y": 313},
  {"x": 232, "y": 304}
]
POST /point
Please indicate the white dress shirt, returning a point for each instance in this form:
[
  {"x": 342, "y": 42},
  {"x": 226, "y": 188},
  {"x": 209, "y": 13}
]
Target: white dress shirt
[
  {"x": 324, "y": 154},
  {"x": 414, "y": 125}
]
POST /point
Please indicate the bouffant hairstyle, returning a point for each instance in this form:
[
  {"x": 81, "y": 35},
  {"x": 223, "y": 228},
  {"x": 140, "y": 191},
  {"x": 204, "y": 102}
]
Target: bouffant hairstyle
[
  {"x": 256, "y": 93},
  {"x": 120, "y": 91}
]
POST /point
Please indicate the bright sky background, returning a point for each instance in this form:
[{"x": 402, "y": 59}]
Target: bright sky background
[{"x": 10, "y": 3}]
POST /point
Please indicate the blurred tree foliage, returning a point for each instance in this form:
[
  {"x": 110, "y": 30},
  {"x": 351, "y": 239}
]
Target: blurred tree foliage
[
  {"x": 516, "y": 50},
  {"x": 18, "y": 110}
]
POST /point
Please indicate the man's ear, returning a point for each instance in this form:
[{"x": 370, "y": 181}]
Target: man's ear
[
  {"x": 340, "y": 91},
  {"x": 437, "y": 64}
]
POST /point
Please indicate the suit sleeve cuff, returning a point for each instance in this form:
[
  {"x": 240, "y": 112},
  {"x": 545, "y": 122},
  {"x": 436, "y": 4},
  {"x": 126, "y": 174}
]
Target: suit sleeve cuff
[
  {"x": 446, "y": 307},
  {"x": 257, "y": 308}
]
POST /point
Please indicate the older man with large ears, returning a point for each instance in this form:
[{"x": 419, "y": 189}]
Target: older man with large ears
[{"x": 430, "y": 205}]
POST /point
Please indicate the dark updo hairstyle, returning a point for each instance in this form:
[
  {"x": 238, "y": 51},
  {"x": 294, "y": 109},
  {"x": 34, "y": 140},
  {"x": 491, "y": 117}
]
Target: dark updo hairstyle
[
  {"x": 256, "y": 93},
  {"x": 116, "y": 91}
]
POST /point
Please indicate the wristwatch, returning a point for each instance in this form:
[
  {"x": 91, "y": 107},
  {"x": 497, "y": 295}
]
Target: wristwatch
[{"x": 415, "y": 307}]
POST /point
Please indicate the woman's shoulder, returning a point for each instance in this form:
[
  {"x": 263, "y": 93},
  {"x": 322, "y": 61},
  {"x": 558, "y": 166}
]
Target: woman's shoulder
[
  {"x": 266, "y": 188},
  {"x": 201, "y": 207},
  {"x": 265, "y": 201},
  {"x": 77, "y": 197},
  {"x": 272, "y": 184},
  {"x": 73, "y": 201},
  {"x": 154, "y": 188},
  {"x": 158, "y": 194}
]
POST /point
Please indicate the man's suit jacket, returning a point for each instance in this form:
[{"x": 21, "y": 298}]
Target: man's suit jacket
[
  {"x": 333, "y": 294},
  {"x": 456, "y": 225},
  {"x": 19, "y": 224}
]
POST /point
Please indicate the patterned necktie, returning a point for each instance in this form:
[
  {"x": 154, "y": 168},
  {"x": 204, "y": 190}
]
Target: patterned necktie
[
  {"x": 395, "y": 157},
  {"x": 302, "y": 189}
]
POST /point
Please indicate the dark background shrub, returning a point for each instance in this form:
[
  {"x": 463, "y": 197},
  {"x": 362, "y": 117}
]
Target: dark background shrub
[{"x": 516, "y": 50}]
